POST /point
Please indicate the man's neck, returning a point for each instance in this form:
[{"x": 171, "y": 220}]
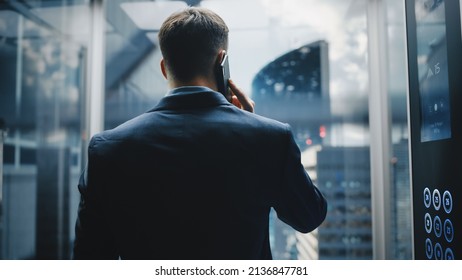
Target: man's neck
[{"x": 199, "y": 81}]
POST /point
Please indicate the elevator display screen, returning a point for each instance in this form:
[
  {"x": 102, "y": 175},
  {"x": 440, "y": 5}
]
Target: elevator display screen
[{"x": 433, "y": 70}]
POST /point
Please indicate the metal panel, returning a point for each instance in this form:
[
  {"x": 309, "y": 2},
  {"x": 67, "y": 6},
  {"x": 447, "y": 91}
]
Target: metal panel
[
  {"x": 379, "y": 125},
  {"x": 95, "y": 71}
]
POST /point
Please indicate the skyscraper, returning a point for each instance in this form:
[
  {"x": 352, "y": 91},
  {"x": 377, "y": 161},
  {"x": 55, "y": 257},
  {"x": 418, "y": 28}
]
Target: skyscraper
[
  {"x": 343, "y": 175},
  {"x": 298, "y": 81}
]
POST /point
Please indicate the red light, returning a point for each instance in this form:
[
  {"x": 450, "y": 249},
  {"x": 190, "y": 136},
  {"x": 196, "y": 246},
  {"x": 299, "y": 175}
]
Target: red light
[
  {"x": 309, "y": 141},
  {"x": 322, "y": 131}
]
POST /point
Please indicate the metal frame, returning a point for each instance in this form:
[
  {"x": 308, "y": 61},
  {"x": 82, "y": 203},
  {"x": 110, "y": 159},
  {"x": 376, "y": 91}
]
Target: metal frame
[
  {"x": 3, "y": 243},
  {"x": 379, "y": 125},
  {"x": 93, "y": 110},
  {"x": 94, "y": 97},
  {"x": 409, "y": 128}
]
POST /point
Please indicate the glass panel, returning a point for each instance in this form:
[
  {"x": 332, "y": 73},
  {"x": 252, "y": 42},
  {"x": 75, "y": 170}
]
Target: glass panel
[
  {"x": 401, "y": 231},
  {"x": 134, "y": 82},
  {"x": 43, "y": 46},
  {"x": 308, "y": 70},
  {"x": 303, "y": 69}
]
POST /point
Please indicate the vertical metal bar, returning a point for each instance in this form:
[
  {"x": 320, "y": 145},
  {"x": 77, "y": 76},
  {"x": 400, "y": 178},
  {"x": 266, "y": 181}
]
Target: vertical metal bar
[
  {"x": 17, "y": 149},
  {"x": 2, "y": 219},
  {"x": 19, "y": 66},
  {"x": 93, "y": 112},
  {"x": 406, "y": 59},
  {"x": 94, "y": 97},
  {"x": 379, "y": 124},
  {"x": 460, "y": 6}
]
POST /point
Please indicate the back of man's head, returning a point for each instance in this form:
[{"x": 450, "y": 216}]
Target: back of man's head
[{"x": 190, "y": 41}]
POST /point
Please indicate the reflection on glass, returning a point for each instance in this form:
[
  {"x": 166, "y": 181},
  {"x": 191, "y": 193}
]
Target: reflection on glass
[
  {"x": 400, "y": 202},
  {"x": 43, "y": 56},
  {"x": 133, "y": 82},
  {"x": 298, "y": 81}
]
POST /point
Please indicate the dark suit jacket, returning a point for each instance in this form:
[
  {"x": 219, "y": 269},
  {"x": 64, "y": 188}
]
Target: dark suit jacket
[{"x": 193, "y": 178}]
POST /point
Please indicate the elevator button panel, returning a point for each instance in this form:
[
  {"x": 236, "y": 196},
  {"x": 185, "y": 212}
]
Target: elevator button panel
[{"x": 438, "y": 224}]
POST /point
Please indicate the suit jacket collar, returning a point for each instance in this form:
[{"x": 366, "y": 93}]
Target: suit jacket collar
[{"x": 190, "y": 97}]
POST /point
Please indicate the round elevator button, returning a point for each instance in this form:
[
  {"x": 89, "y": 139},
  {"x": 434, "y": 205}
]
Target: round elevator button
[
  {"x": 448, "y": 230},
  {"x": 428, "y": 223},
  {"x": 427, "y": 197},
  {"x": 447, "y": 202},
  {"x": 438, "y": 252},
  {"x": 448, "y": 254},
  {"x": 428, "y": 248},
  {"x": 437, "y": 226},
  {"x": 436, "y": 199}
]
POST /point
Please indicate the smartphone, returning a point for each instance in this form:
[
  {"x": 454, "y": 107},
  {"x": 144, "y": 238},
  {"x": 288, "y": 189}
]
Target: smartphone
[{"x": 223, "y": 75}]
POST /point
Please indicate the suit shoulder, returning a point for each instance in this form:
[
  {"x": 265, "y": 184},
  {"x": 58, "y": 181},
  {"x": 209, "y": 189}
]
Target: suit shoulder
[
  {"x": 268, "y": 122},
  {"x": 122, "y": 131}
]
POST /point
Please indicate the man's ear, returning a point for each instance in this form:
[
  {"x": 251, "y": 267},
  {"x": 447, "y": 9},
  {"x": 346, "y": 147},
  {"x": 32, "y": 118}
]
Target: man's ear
[
  {"x": 221, "y": 55},
  {"x": 163, "y": 68}
]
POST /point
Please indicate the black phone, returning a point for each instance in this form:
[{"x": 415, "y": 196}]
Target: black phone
[{"x": 223, "y": 75}]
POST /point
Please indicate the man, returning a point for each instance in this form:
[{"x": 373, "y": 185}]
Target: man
[{"x": 195, "y": 177}]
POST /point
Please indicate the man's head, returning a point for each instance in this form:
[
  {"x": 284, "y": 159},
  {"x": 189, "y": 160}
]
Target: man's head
[{"x": 191, "y": 41}]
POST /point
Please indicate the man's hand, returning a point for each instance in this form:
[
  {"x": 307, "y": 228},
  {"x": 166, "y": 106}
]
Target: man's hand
[{"x": 239, "y": 99}]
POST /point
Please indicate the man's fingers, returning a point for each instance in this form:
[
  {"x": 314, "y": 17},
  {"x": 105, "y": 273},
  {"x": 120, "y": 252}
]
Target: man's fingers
[
  {"x": 244, "y": 101},
  {"x": 235, "y": 101}
]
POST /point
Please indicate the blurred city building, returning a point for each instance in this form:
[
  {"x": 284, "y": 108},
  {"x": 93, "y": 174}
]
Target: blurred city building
[{"x": 298, "y": 82}]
